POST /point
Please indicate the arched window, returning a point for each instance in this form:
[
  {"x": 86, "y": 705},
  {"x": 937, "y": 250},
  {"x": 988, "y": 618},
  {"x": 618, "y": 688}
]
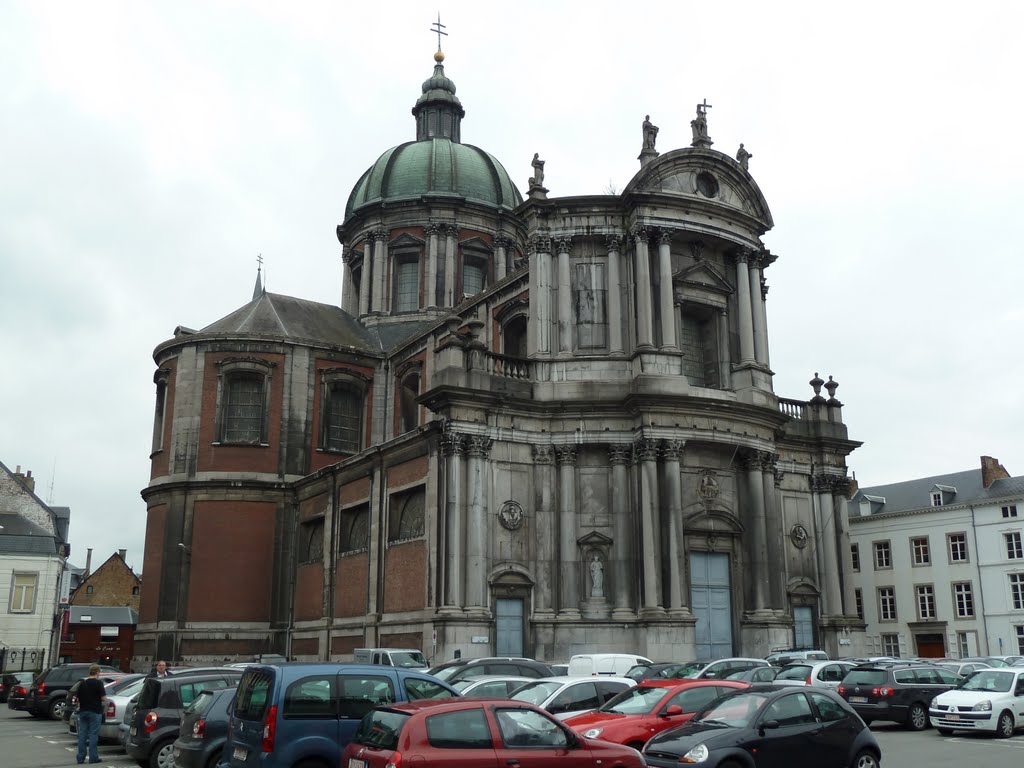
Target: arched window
[
  {"x": 513, "y": 337},
  {"x": 405, "y": 515},
  {"x": 408, "y": 408},
  {"x": 242, "y": 401},
  {"x": 312, "y": 542},
  {"x": 343, "y": 418},
  {"x": 355, "y": 529}
]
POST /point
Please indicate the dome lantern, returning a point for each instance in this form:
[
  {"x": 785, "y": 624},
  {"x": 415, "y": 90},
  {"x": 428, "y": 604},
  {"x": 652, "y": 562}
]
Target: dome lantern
[{"x": 438, "y": 111}]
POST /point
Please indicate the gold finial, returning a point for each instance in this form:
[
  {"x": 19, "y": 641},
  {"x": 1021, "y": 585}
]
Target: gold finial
[
  {"x": 439, "y": 57},
  {"x": 438, "y": 28}
]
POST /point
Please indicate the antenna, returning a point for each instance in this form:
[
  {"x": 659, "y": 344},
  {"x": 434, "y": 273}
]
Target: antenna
[{"x": 49, "y": 488}]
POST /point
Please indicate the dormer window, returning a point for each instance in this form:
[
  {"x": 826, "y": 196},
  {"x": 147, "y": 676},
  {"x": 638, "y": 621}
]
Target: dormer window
[{"x": 936, "y": 498}]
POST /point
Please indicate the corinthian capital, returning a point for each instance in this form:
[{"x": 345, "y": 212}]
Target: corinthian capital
[
  {"x": 646, "y": 449},
  {"x": 453, "y": 443},
  {"x": 451, "y": 230},
  {"x": 619, "y": 453},
  {"x": 613, "y": 243},
  {"x": 503, "y": 241},
  {"x": 563, "y": 243},
  {"x": 566, "y": 454},
  {"x": 543, "y": 454},
  {"x": 664, "y": 237},
  {"x": 639, "y": 232},
  {"x": 540, "y": 244},
  {"x": 478, "y": 445},
  {"x": 671, "y": 449}
]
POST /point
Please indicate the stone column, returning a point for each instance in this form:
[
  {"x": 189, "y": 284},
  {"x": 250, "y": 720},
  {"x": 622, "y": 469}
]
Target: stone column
[
  {"x": 348, "y": 299},
  {"x": 540, "y": 294},
  {"x": 670, "y": 450},
  {"x": 776, "y": 545},
  {"x": 746, "y": 328},
  {"x": 757, "y": 312},
  {"x": 840, "y": 489},
  {"x": 454, "y": 448},
  {"x": 646, "y": 450},
  {"x": 569, "y": 591},
  {"x": 450, "y": 280},
  {"x": 545, "y": 530},
  {"x": 365, "y": 276},
  {"x": 724, "y": 353},
  {"x": 564, "y": 247},
  {"x": 764, "y": 317},
  {"x": 614, "y": 243},
  {"x": 756, "y": 530},
  {"x": 665, "y": 293},
  {"x": 379, "y": 269},
  {"x": 433, "y": 231},
  {"x": 478, "y": 447},
  {"x": 621, "y": 506},
  {"x": 502, "y": 244},
  {"x": 825, "y": 539},
  {"x": 642, "y": 274}
]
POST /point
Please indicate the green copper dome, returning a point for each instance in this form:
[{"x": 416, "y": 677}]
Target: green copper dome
[{"x": 437, "y": 164}]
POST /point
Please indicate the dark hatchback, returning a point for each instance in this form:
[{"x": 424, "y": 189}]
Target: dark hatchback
[
  {"x": 204, "y": 729},
  {"x": 48, "y": 694},
  {"x": 769, "y": 726},
  {"x": 897, "y": 692},
  {"x": 157, "y": 718},
  {"x": 15, "y": 688}
]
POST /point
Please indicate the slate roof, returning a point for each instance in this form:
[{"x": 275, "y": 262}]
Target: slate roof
[
  {"x": 916, "y": 494},
  {"x": 102, "y": 614}
]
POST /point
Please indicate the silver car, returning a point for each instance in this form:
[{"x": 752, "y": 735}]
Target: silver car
[
  {"x": 819, "y": 674},
  {"x": 570, "y": 695}
]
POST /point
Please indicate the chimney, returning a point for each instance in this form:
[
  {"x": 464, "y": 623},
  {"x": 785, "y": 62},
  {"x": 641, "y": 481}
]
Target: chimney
[
  {"x": 854, "y": 486},
  {"x": 123, "y": 553},
  {"x": 992, "y": 470},
  {"x": 88, "y": 561},
  {"x": 26, "y": 479}
]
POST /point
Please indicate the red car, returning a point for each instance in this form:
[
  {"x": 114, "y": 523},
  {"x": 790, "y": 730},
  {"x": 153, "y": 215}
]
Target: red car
[
  {"x": 634, "y": 716},
  {"x": 476, "y": 733}
]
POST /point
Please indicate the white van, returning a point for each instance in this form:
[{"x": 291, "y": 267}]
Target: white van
[
  {"x": 407, "y": 658},
  {"x": 604, "y": 663}
]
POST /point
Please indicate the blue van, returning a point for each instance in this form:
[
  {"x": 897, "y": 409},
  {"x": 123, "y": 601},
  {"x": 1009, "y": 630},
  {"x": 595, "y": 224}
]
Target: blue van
[{"x": 306, "y": 712}]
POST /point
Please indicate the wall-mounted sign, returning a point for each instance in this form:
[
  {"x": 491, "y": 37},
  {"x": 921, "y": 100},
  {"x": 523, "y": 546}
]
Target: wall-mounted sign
[{"x": 479, "y": 639}]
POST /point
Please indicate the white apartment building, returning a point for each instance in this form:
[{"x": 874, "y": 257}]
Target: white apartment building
[{"x": 938, "y": 564}]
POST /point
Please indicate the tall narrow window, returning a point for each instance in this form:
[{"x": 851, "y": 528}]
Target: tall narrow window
[
  {"x": 886, "y": 604},
  {"x": 473, "y": 277},
  {"x": 883, "y": 555},
  {"x": 1014, "y": 551},
  {"x": 962, "y": 644},
  {"x": 855, "y": 555},
  {"x": 693, "y": 351},
  {"x": 405, "y": 515},
  {"x": 311, "y": 541},
  {"x": 1020, "y": 638},
  {"x": 891, "y": 644},
  {"x": 344, "y": 419},
  {"x": 925, "y": 602},
  {"x": 407, "y": 285},
  {"x": 957, "y": 547},
  {"x": 963, "y": 597},
  {"x": 919, "y": 546},
  {"x": 355, "y": 529},
  {"x": 1017, "y": 591},
  {"x": 513, "y": 337},
  {"x": 409, "y": 409},
  {"x": 243, "y": 409},
  {"x": 23, "y": 592},
  {"x": 858, "y": 599},
  {"x": 590, "y": 295}
]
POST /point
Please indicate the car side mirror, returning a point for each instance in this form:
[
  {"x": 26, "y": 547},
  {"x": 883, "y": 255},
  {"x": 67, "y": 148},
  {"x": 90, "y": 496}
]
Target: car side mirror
[
  {"x": 671, "y": 711},
  {"x": 768, "y": 725},
  {"x": 573, "y": 740}
]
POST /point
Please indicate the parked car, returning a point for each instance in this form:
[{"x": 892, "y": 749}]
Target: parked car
[
  {"x": 718, "y": 669},
  {"x": 820, "y": 674},
  {"x": 635, "y": 715},
  {"x": 964, "y": 668},
  {"x": 559, "y": 669},
  {"x": 204, "y": 729},
  {"x": 115, "y": 709},
  {"x": 71, "y": 704},
  {"x": 459, "y": 669},
  {"x": 10, "y": 680},
  {"x": 110, "y": 687},
  {"x": 610, "y": 664},
  {"x": 989, "y": 700},
  {"x": 769, "y": 726},
  {"x": 489, "y": 686},
  {"x": 570, "y": 694},
  {"x": 900, "y": 693},
  {"x": 17, "y": 696},
  {"x": 48, "y": 692},
  {"x": 755, "y": 675},
  {"x": 410, "y": 658},
  {"x": 300, "y": 712},
  {"x": 473, "y": 733},
  {"x": 157, "y": 718},
  {"x": 785, "y": 656},
  {"x": 654, "y": 670},
  {"x": 992, "y": 661}
]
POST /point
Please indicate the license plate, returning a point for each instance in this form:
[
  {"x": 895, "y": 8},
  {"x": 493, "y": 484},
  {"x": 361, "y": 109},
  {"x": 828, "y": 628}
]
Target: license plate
[
  {"x": 353, "y": 763},
  {"x": 858, "y": 699},
  {"x": 952, "y": 717},
  {"x": 239, "y": 754}
]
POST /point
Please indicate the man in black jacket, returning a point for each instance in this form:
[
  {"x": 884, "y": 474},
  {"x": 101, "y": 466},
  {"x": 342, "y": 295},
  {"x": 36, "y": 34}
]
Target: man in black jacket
[{"x": 91, "y": 697}]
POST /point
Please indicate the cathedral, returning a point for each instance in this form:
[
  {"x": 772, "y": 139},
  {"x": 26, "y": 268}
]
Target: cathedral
[{"x": 534, "y": 427}]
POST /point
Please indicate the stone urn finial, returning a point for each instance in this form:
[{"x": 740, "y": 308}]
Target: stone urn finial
[
  {"x": 816, "y": 383},
  {"x": 832, "y": 386}
]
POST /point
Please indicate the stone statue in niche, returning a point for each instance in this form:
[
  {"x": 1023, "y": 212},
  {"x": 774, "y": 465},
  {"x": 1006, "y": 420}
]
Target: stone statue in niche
[{"x": 596, "y": 576}]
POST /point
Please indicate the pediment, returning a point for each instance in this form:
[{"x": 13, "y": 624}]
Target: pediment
[
  {"x": 594, "y": 539},
  {"x": 476, "y": 244},
  {"x": 405, "y": 240},
  {"x": 703, "y": 275}
]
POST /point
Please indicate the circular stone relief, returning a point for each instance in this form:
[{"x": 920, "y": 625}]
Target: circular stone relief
[
  {"x": 798, "y": 535},
  {"x": 707, "y": 184},
  {"x": 511, "y": 515}
]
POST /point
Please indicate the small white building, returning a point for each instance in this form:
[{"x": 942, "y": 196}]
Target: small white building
[{"x": 939, "y": 565}]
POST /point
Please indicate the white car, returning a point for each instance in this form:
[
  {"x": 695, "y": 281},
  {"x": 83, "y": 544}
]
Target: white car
[
  {"x": 570, "y": 695},
  {"x": 988, "y": 700},
  {"x": 819, "y": 674},
  {"x": 490, "y": 686}
]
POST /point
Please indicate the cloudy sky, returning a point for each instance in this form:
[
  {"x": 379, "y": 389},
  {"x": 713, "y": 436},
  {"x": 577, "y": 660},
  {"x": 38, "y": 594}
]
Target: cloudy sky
[{"x": 149, "y": 152}]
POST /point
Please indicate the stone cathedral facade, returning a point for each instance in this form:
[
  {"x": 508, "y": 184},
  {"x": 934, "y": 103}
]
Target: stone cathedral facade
[{"x": 533, "y": 427}]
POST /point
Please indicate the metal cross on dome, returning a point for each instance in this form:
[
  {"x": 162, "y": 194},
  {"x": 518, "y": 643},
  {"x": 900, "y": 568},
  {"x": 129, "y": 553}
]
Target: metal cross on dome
[{"x": 437, "y": 27}]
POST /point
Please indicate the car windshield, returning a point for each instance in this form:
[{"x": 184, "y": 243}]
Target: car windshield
[
  {"x": 865, "y": 677},
  {"x": 131, "y": 689},
  {"x": 535, "y": 693},
  {"x": 989, "y": 680},
  {"x": 640, "y": 700},
  {"x": 380, "y": 729},
  {"x": 684, "y": 670},
  {"x": 409, "y": 659},
  {"x": 794, "y": 672},
  {"x": 444, "y": 674},
  {"x": 735, "y": 711}
]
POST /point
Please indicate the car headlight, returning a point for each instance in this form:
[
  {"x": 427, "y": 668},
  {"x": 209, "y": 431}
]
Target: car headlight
[
  {"x": 983, "y": 706},
  {"x": 593, "y": 733},
  {"x": 696, "y": 755}
]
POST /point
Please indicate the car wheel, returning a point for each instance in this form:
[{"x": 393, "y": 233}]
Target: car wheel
[
  {"x": 1004, "y": 726},
  {"x": 162, "y": 755},
  {"x": 215, "y": 759},
  {"x": 917, "y": 717},
  {"x": 865, "y": 759},
  {"x": 56, "y": 711}
]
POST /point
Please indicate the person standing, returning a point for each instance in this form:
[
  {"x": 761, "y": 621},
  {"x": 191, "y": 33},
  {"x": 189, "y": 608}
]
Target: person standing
[
  {"x": 91, "y": 698},
  {"x": 160, "y": 670}
]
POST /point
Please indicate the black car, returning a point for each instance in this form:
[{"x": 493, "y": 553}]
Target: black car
[
  {"x": 896, "y": 692},
  {"x": 157, "y": 718},
  {"x": 204, "y": 729},
  {"x": 16, "y": 685},
  {"x": 460, "y": 669},
  {"x": 49, "y": 691},
  {"x": 769, "y": 726}
]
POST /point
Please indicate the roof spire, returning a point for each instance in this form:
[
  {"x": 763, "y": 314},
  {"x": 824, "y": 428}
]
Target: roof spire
[
  {"x": 257, "y": 290},
  {"x": 438, "y": 112},
  {"x": 438, "y": 27}
]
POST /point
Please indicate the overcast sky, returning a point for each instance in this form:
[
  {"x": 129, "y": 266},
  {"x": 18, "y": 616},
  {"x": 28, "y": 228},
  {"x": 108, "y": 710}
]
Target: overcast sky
[{"x": 149, "y": 152}]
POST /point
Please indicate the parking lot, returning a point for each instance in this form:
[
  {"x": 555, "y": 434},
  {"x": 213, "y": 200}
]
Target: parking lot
[{"x": 29, "y": 742}]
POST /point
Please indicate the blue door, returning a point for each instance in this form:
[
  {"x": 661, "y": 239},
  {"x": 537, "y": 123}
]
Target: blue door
[
  {"x": 712, "y": 604},
  {"x": 803, "y": 627},
  {"x": 508, "y": 626}
]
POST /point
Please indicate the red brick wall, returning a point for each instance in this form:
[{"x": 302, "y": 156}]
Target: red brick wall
[
  {"x": 407, "y": 472},
  {"x": 313, "y": 506},
  {"x": 405, "y": 585},
  {"x": 161, "y": 459},
  {"x": 346, "y": 644},
  {"x": 309, "y": 592},
  {"x": 112, "y": 584},
  {"x": 357, "y": 490},
  {"x": 88, "y": 646},
  {"x": 239, "y": 458},
  {"x": 350, "y": 591},
  {"x": 405, "y": 640},
  {"x": 306, "y": 646},
  {"x": 232, "y": 548},
  {"x": 152, "y": 563}
]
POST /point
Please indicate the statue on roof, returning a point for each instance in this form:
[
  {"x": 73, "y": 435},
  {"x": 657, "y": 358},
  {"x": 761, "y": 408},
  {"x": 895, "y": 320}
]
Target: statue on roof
[
  {"x": 700, "y": 126},
  {"x": 537, "y": 180},
  {"x": 743, "y": 157},
  {"x": 650, "y": 134}
]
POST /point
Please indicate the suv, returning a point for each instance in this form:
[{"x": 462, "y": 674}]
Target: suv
[
  {"x": 49, "y": 691},
  {"x": 897, "y": 692},
  {"x": 304, "y": 713},
  {"x": 157, "y": 718},
  {"x": 460, "y": 669}
]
